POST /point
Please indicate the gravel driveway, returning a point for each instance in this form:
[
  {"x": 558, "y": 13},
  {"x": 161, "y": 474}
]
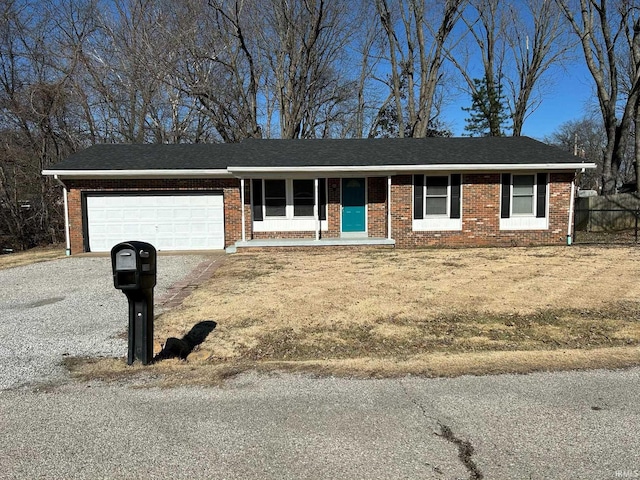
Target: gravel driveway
[{"x": 67, "y": 307}]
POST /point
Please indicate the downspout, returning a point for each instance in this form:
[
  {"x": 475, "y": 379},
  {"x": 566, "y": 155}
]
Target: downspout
[
  {"x": 571, "y": 210},
  {"x": 66, "y": 215},
  {"x": 389, "y": 207}
]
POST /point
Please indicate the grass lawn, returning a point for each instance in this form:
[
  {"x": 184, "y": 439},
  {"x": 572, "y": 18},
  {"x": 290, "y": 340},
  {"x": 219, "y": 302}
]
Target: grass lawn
[
  {"x": 34, "y": 255},
  {"x": 384, "y": 312}
]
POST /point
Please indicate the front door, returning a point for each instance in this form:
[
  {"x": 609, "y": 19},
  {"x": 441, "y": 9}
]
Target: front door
[{"x": 353, "y": 205}]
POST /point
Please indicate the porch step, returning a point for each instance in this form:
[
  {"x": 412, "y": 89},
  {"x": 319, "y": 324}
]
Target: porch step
[{"x": 303, "y": 242}]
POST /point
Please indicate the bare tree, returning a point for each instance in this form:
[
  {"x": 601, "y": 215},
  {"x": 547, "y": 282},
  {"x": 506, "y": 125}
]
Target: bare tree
[
  {"x": 601, "y": 26},
  {"x": 630, "y": 66},
  {"x": 585, "y": 138},
  {"x": 37, "y": 124},
  {"x": 488, "y": 28},
  {"x": 218, "y": 66},
  {"x": 367, "y": 45},
  {"x": 420, "y": 45},
  {"x": 528, "y": 35},
  {"x": 537, "y": 40},
  {"x": 303, "y": 44}
]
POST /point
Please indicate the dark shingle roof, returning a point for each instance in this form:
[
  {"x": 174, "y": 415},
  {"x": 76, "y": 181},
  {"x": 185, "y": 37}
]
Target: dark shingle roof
[{"x": 319, "y": 153}]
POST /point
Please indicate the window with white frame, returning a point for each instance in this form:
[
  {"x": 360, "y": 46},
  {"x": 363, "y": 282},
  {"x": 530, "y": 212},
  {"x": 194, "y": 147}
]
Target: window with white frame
[
  {"x": 275, "y": 198},
  {"x": 436, "y": 199},
  {"x": 524, "y": 201},
  {"x": 287, "y": 198},
  {"x": 523, "y": 195},
  {"x": 303, "y": 198},
  {"x": 437, "y": 202},
  {"x": 436, "y": 196}
]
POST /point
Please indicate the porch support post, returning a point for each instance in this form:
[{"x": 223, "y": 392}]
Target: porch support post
[
  {"x": 316, "y": 207},
  {"x": 389, "y": 207},
  {"x": 66, "y": 221},
  {"x": 242, "y": 207}
]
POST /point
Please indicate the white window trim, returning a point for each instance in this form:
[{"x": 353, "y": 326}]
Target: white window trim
[
  {"x": 264, "y": 199},
  {"x": 438, "y": 222},
  {"x": 526, "y": 221},
  {"x": 534, "y": 197},
  {"x": 289, "y": 222},
  {"x": 447, "y": 200}
]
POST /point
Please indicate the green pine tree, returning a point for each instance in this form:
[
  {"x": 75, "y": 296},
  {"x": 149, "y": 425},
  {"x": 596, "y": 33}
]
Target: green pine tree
[{"x": 488, "y": 111}]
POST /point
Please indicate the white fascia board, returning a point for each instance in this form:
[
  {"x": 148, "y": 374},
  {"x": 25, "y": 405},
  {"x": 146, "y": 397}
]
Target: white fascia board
[
  {"x": 278, "y": 172},
  {"x": 115, "y": 174},
  {"x": 393, "y": 169},
  {"x": 344, "y": 170}
]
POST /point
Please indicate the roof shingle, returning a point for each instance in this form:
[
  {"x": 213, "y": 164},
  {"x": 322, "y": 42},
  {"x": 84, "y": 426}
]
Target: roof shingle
[{"x": 318, "y": 153}]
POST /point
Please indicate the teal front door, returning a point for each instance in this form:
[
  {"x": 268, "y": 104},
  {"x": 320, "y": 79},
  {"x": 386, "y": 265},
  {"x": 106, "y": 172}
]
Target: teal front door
[{"x": 353, "y": 205}]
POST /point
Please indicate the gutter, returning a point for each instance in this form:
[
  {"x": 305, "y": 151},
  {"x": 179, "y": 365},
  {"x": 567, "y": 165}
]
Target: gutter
[
  {"x": 241, "y": 171},
  {"x": 394, "y": 169},
  {"x": 162, "y": 173}
]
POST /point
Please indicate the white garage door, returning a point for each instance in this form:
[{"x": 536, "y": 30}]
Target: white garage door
[{"x": 168, "y": 222}]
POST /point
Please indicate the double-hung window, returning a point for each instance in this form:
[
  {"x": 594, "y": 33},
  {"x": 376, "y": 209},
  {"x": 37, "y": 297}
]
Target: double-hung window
[
  {"x": 524, "y": 201},
  {"x": 436, "y": 195},
  {"x": 287, "y": 204},
  {"x": 275, "y": 198},
  {"x": 303, "y": 198},
  {"x": 523, "y": 190},
  {"x": 437, "y": 202}
]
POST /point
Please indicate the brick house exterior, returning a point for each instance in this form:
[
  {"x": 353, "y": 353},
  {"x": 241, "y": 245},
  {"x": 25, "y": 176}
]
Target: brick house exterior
[{"x": 403, "y": 192}]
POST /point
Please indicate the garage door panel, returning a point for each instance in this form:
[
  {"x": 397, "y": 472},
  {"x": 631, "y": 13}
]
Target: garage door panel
[
  {"x": 166, "y": 213},
  {"x": 169, "y": 222}
]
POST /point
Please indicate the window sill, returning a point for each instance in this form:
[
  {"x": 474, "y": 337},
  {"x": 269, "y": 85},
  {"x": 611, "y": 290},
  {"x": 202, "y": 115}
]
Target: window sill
[
  {"x": 284, "y": 224},
  {"x": 437, "y": 224},
  {"x": 524, "y": 223}
]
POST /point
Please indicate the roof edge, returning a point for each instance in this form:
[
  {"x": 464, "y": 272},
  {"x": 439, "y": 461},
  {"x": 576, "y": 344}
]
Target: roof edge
[
  {"x": 240, "y": 171},
  {"x": 502, "y": 167},
  {"x": 162, "y": 173}
]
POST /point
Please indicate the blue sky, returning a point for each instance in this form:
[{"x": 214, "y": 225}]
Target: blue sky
[
  {"x": 572, "y": 98},
  {"x": 569, "y": 94}
]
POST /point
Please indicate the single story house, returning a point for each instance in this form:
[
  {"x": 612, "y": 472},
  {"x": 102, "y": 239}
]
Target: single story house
[{"x": 404, "y": 192}]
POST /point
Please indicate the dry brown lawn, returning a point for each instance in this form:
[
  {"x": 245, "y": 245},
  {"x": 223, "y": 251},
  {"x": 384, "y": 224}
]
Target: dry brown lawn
[
  {"x": 384, "y": 312},
  {"x": 34, "y": 255}
]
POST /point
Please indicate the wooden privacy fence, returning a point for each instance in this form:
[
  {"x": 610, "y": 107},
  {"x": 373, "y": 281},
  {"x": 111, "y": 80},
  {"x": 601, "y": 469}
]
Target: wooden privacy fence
[{"x": 607, "y": 219}]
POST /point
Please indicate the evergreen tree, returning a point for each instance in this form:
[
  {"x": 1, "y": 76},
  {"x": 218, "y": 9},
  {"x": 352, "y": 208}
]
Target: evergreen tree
[{"x": 488, "y": 111}]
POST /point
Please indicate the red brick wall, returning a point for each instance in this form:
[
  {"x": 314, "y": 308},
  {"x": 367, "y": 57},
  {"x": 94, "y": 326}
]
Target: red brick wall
[
  {"x": 376, "y": 212},
  {"x": 377, "y": 207},
  {"x": 334, "y": 209},
  {"x": 75, "y": 220},
  {"x": 480, "y": 210},
  {"x": 480, "y": 215},
  {"x": 228, "y": 186}
]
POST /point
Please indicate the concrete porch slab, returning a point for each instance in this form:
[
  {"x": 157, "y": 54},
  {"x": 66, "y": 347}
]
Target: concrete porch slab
[{"x": 324, "y": 242}]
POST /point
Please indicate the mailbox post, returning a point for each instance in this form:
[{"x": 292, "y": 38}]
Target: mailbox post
[{"x": 134, "y": 272}]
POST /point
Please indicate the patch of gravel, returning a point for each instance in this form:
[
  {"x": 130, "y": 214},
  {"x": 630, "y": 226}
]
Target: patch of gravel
[{"x": 67, "y": 307}]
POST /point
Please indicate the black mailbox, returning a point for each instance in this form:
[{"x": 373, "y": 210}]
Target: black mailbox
[
  {"x": 134, "y": 265},
  {"x": 134, "y": 272}
]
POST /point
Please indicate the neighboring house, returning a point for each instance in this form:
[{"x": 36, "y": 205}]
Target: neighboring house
[{"x": 402, "y": 192}]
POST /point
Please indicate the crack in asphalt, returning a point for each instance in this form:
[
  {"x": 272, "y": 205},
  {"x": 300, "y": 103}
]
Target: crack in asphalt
[
  {"x": 465, "y": 451},
  {"x": 465, "y": 448}
]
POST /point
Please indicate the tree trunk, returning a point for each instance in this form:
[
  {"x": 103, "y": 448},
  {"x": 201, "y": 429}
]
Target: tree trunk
[{"x": 637, "y": 144}]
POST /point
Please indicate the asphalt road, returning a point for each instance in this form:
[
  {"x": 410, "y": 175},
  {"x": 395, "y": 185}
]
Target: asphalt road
[
  {"x": 571, "y": 425},
  {"x": 541, "y": 426}
]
